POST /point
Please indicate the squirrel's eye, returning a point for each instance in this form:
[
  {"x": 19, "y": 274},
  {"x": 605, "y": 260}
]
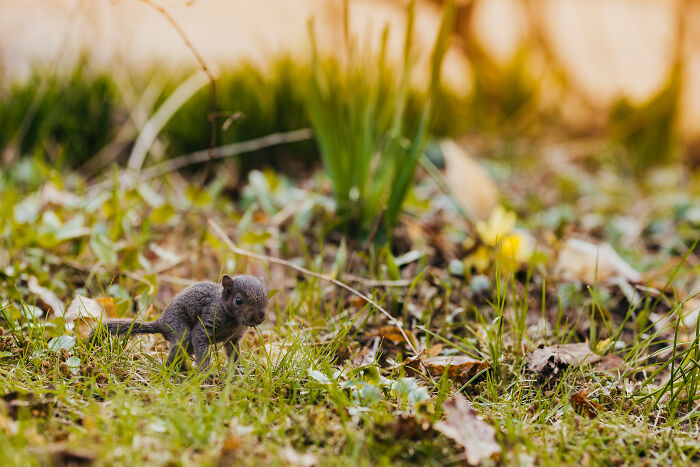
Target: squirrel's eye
[{"x": 239, "y": 300}]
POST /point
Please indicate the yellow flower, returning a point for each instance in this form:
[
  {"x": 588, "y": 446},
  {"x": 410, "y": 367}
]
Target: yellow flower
[
  {"x": 500, "y": 223},
  {"x": 480, "y": 259},
  {"x": 515, "y": 248}
]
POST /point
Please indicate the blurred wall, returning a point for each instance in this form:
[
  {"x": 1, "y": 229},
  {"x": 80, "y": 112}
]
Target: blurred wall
[{"x": 608, "y": 48}]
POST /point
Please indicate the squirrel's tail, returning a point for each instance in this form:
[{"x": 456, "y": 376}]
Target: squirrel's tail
[{"x": 125, "y": 326}]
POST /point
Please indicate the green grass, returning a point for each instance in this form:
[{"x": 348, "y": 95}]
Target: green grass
[
  {"x": 358, "y": 108},
  {"x": 68, "y": 117},
  {"x": 294, "y": 388}
]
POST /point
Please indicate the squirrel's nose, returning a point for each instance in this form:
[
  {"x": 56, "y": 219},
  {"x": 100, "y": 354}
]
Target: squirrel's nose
[{"x": 258, "y": 318}]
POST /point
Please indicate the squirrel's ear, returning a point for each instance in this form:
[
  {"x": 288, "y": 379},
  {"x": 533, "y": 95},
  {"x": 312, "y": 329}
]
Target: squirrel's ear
[{"x": 227, "y": 281}]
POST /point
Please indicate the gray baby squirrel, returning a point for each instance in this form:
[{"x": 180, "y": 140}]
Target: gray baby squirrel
[{"x": 203, "y": 314}]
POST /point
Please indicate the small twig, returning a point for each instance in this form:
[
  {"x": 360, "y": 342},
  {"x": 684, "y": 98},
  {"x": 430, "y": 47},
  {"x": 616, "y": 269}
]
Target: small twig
[
  {"x": 219, "y": 232},
  {"x": 205, "y": 68},
  {"x": 225, "y": 151},
  {"x": 198, "y": 157}
]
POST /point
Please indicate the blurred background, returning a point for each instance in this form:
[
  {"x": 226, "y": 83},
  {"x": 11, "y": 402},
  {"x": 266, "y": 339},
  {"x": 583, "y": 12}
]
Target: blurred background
[{"x": 625, "y": 69}]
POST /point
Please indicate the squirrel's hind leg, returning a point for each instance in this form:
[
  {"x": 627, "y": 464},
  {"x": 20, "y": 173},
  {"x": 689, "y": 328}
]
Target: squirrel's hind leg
[
  {"x": 177, "y": 358},
  {"x": 201, "y": 342},
  {"x": 180, "y": 345}
]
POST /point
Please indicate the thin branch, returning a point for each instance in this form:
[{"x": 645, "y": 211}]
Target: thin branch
[
  {"x": 205, "y": 68},
  {"x": 219, "y": 232},
  {"x": 225, "y": 151},
  {"x": 170, "y": 165}
]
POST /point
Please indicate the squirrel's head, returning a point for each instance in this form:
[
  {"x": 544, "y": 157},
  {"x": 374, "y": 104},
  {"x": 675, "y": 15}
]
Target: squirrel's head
[{"x": 246, "y": 297}]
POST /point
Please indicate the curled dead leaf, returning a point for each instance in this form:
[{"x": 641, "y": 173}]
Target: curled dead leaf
[
  {"x": 464, "y": 426},
  {"x": 553, "y": 358}
]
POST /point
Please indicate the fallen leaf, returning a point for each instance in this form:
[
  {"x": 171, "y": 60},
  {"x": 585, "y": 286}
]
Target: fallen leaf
[
  {"x": 46, "y": 297},
  {"x": 470, "y": 183},
  {"x": 460, "y": 368},
  {"x": 464, "y": 426},
  {"x": 86, "y": 311},
  {"x": 590, "y": 263},
  {"x": 583, "y": 405},
  {"x": 555, "y": 357},
  {"x": 435, "y": 350},
  {"x": 83, "y": 307},
  {"x": 391, "y": 333}
]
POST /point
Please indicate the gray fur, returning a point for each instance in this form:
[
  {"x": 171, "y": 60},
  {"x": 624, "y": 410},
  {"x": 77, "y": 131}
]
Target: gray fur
[{"x": 203, "y": 314}]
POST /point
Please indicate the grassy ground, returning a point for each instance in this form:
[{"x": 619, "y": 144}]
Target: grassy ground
[{"x": 323, "y": 380}]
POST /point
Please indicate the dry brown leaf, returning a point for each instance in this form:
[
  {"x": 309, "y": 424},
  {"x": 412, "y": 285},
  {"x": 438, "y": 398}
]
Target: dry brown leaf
[
  {"x": 583, "y": 405},
  {"x": 590, "y": 263},
  {"x": 470, "y": 183},
  {"x": 47, "y": 298},
  {"x": 460, "y": 368},
  {"x": 435, "y": 350},
  {"x": 390, "y": 333},
  {"x": 554, "y": 357},
  {"x": 464, "y": 426}
]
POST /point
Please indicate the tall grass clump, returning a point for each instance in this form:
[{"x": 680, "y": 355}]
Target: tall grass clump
[
  {"x": 358, "y": 108},
  {"x": 68, "y": 117},
  {"x": 252, "y": 101},
  {"x": 647, "y": 132}
]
